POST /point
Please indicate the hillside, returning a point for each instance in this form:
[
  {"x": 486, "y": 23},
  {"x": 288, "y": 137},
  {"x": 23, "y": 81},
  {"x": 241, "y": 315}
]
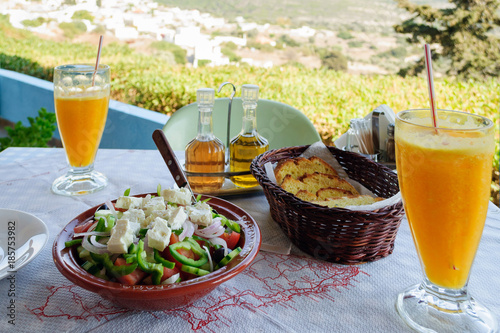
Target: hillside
[
  {"x": 330, "y": 14},
  {"x": 329, "y": 98}
]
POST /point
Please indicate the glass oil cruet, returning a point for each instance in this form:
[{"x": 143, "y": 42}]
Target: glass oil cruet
[
  {"x": 249, "y": 143},
  {"x": 205, "y": 153}
]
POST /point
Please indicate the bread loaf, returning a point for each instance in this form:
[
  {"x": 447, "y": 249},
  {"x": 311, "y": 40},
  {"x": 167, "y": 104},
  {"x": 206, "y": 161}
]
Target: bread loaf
[
  {"x": 306, "y": 195},
  {"x": 314, "y": 182},
  {"x": 331, "y": 192},
  {"x": 322, "y": 194},
  {"x": 351, "y": 200},
  {"x": 298, "y": 167}
]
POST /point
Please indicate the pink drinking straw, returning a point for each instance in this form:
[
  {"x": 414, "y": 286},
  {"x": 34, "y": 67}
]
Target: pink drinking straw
[
  {"x": 97, "y": 60},
  {"x": 430, "y": 83}
]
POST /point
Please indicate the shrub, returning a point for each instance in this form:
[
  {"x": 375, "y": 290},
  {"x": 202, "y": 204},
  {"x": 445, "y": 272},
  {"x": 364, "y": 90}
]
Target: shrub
[
  {"x": 178, "y": 52},
  {"x": 38, "y": 134},
  {"x": 82, "y": 15},
  {"x": 72, "y": 29},
  {"x": 355, "y": 43},
  {"x": 334, "y": 60},
  {"x": 34, "y": 23},
  {"x": 344, "y": 34}
]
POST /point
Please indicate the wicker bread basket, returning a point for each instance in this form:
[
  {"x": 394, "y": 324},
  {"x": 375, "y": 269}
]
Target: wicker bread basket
[{"x": 335, "y": 234}]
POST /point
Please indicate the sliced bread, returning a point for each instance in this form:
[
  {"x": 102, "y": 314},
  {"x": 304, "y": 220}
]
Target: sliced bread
[
  {"x": 299, "y": 166},
  {"x": 351, "y": 200},
  {"x": 331, "y": 192},
  {"x": 314, "y": 182},
  {"x": 306, "y": 195}
]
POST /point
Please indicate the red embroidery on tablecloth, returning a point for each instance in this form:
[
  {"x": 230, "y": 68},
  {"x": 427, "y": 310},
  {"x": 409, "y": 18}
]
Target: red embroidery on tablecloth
[
  {"x": 276, "y": 280},
  {"x": 86, "y": 311}
]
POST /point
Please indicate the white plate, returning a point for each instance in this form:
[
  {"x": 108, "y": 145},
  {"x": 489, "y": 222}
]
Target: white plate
[{"x": 28, "y": 235}]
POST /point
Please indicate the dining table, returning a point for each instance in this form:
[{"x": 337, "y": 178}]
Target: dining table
[{"x": 282, "y": 290}]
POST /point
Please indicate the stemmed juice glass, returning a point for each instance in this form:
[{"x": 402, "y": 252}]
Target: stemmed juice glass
[
  {"x": 81, "y": 98},
  {"x": 444, "y": 175}
]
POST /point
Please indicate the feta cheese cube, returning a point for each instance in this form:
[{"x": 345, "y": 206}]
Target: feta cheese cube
[
  {"x": 200, "y": 213},
  {"x": 180, "y": 196},
  {"x": 134, "y": 215},
  {"x": 164, "y": 214},
  {"x": 129, "y": 203},
  {"x": 177, "y": 218},
  {"x": 159, "y": 235},
  {"x": 122, "y": 235},
  {"x": 156, "y": 203}
]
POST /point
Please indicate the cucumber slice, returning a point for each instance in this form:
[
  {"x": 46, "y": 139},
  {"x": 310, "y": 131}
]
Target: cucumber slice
[
  {"x": 102, "y": 213},
  {"x": 234, "y": 226},
  {"x": 84, "y": 254},
  {"x": 228, "y": 258},
  {"x": 194, "y": 270},
  {"x": 91, "y": 268}
]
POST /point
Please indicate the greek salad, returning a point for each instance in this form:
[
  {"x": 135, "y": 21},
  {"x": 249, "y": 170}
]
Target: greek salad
[{"x": 156, "y": 239}]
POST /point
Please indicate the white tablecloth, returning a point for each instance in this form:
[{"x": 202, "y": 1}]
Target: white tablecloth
[{"x": 277, "y": 293}]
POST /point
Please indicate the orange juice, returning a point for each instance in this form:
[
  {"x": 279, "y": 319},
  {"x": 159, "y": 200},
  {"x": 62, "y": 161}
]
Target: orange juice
[
  {"x": 81, "y": 122},
  {"x": 444, "y": 178}
]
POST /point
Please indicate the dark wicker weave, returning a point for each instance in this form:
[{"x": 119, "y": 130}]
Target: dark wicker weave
[{"x": 335, "y": 234}]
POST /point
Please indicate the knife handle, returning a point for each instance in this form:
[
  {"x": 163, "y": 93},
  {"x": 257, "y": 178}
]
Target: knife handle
[{"x": 169, "y": 157}]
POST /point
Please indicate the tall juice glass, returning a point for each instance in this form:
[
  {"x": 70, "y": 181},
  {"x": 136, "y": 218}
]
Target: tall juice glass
[
  {"x": 444, "y": 176},
  {"x": 81, "y": 97}
]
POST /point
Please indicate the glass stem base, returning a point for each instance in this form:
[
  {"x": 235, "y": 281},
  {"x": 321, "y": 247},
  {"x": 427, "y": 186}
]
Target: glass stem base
[
  {"x": 77, "y": 182},
  {"x": 427, "y": 308}
]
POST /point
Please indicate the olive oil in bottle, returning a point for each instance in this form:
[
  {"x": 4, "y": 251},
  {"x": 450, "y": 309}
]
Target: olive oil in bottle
[
  {"x": 205, "y": 153},
  {"x": 249, "y": 143}
]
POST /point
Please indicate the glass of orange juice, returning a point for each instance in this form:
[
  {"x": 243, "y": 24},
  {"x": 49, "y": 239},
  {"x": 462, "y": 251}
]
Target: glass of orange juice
[
  {"x": 81, "y": 98},
  {"x": 444, "y": 175}
]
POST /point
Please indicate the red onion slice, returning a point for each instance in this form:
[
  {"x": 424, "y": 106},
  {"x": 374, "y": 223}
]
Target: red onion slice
[
  {"x": 221, "y": 242},
  {"x": 209, "y": 258},
  {"x": 92, "y": 233},
  {"x": 111, "y": 208},
  {"x": 92, "y": 248},
  {"x": 171, "y": 279},
  {"x": 214, "y": 230},
  {"x": 94, "y": 242},
  {"x": 188, "y": 230}
]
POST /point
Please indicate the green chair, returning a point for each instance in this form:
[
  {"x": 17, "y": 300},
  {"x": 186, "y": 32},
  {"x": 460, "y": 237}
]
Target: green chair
[{"x": 281, "y": 124}]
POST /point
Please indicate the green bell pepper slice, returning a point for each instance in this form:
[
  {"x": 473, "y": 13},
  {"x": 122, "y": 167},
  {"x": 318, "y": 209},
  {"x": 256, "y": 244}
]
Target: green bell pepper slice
[
  {"x": 131, "y": 255},
  {"x": 115, "y": 271},
  {"x": 155, "y": 269},
  {"x": 192, "y": 245},
  {"x": 73, "y": 242},
  {"x": 165, "y": 263}
]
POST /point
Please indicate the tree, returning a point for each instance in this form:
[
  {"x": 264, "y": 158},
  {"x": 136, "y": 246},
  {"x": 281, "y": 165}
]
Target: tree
[
  {"x": 461, "y": 34},
  {"x": 82, "y": 15},
  {"x": 334, "y": 60}
]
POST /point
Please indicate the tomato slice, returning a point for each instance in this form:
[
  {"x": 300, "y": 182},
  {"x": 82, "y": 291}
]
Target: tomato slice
[
  {"x": 187, "y": 253},
  {"x": 169, "y": 272},
  {"x": 173, "y": 238},
  {"x": 131, "y": 279},
  {"x": 83, "y": 227},
  {"x": 231, "y": 239}
]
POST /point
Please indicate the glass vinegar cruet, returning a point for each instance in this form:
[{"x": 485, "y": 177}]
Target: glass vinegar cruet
[
  {"x": 248, "y": 143},
  {"x": 205, "y": 153}
]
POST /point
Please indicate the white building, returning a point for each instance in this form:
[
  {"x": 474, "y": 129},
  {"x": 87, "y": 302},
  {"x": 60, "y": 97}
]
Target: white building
[
  {"x": 304, "y": 32},
  {"x": 126, "y": 33}
]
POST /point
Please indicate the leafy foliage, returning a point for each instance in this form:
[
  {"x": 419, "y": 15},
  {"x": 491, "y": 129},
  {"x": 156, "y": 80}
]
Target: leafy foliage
[
  {"x": 345, "y": 34},
  {"x": 34, "y": 23},
  {"x": 463, "y": 33},
  {"x": 38, "y": 134},
  {"x": 178, "y": 52},
  {"x": 82, "y": 15},
  {"x": 334, "y": 60},
  {"x": 72, "y": 29}
]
